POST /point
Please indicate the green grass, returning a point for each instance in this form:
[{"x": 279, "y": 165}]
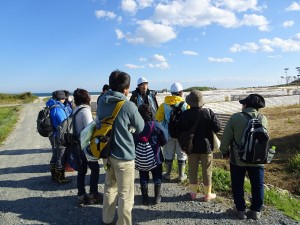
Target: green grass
[
  {"x": 22, "y": 98},
  {"x": 294, "y": 163},
  {"x": 8, "y": 119}
]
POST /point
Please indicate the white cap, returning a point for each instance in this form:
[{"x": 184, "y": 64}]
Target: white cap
[
  {"x": 176, "y": 87},
  {"x": 142, "y": 80}
]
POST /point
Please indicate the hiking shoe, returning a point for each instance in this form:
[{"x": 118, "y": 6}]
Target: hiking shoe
[
  {"x": 254, "y": 215},
  {"x": 241, "y": 215},
  {"x": 83, "y": 200},
  {"x": 95, "y": 198}
]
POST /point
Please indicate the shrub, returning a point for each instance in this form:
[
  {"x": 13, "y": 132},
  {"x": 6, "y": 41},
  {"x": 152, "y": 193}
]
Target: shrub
[{"x": 294, "y": 163}]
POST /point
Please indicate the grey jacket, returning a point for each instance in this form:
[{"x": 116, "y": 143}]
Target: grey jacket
[{"x": 122, "y": 145}]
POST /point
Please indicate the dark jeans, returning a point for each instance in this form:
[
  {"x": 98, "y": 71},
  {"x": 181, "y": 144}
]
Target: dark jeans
[
  {"x": 60, "y": 153},
  {"x": 54, "y": 152},
  {"x": 256, "y": 176},
  {"x": 156, "y": 175},
  {"x": 94, "y": 177}
]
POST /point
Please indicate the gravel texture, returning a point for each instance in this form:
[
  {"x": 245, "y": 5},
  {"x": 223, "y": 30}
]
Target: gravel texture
[{"x": 27, "y": 195}]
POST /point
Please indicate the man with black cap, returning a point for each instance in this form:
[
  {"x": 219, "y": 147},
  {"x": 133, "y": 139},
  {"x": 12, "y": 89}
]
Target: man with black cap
[
  {"x": 233, "y": 133},
  {"x": 58, "y": 114}
]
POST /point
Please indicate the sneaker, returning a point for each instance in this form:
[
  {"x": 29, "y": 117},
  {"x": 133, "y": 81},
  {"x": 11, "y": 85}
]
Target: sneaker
[
  {"x": 254, "y": 215},
  {"x": 95, "y": 198},
  {"x": 241, "y": 215},
  {"x": 83, "y": 200}
]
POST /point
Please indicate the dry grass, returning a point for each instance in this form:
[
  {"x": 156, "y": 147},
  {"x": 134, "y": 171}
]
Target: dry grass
[{"x": 284, "y": 131}]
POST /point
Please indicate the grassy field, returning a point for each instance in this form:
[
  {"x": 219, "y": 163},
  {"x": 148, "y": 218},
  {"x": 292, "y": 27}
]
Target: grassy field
[{"x": 8, "y": 119}]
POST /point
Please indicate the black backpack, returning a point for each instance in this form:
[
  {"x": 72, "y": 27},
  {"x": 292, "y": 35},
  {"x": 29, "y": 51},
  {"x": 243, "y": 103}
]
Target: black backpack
[
  {"x": 43, "y": 122},
  {"x": 254, "y": 146},
  {"x": 66, "y": 131},
  {"x": 173, "y": 125}
]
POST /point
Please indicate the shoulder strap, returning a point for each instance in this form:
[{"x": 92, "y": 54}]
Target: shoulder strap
[
  {"x": 117, "y": 109},
  {"x": 247, "y": 115}
]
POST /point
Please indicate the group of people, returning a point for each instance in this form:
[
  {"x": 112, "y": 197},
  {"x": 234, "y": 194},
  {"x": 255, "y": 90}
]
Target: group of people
[{"x": 150, "y": 122}]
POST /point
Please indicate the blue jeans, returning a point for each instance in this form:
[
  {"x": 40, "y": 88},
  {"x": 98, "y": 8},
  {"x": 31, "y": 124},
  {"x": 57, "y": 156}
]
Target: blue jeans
[
  {"x": 156, "y": 175},
  {"x": 256, "y": 176},
  {"x": 94, "y": 177}
]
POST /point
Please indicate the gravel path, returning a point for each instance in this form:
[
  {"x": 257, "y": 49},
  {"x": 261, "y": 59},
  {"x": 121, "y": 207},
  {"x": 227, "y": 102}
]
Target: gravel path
[{"x": 27, "y": 195}]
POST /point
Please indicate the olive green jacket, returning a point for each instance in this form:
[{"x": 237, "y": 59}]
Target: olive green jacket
[{"x": 234, "y": 130}]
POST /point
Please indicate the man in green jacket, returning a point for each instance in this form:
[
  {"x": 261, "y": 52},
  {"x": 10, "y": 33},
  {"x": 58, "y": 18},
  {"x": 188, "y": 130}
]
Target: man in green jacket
[{"x": 233, "y": 133}]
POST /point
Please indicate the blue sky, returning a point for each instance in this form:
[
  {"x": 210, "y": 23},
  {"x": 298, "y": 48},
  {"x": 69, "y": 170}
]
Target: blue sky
[{"x": 64, "y": 44}]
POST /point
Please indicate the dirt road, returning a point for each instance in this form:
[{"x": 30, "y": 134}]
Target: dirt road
[{"x": 27, "y": 195}]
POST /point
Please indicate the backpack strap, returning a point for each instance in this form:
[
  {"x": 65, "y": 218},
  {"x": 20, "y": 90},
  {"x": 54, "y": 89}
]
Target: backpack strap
[
  {"x": 151, "y": 128},
  {"x": 117, "y": 109},
  {"x": 114, "y": 115}
]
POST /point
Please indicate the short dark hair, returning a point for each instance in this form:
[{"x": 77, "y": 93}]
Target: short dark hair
[
  {"x": 67, "y": 93},
  {"x": 105, "y": 87},
  {"x": 81, "y": 97},
  {"x": 145, "y": 112},
  {"x": 119, "y": 81}
]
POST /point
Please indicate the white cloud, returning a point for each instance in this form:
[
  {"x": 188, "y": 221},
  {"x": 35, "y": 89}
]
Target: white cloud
[
  {"x": 145, "y": 3},
  {"x": 159, "y": 61},
  {"x": 132, "y": 66},
  {"x": 189, "y": 53},
  {"x": 149, "y": 33},
  {"x": 297, "y": 36},
  {"x": 120, "y": 34},
  {"x": 105, "y": 14},
  {"x": 268, "y": 45},
  {"x": 194, "y": 13},
  {"x": 239, "y": 6},
  {"x": 221, "y": 60},
  {"x": 275, "y": 56},
  {"x": 162, "y": 65},
  {"x": 255, "y": 20},
  {"x": 158, "y": 58},
  {"x": 293, "y": 7},
  {"x": 250, "y": 47},
  {"x": 129, "y": 6},
  {"x": 288, "y": 23}
]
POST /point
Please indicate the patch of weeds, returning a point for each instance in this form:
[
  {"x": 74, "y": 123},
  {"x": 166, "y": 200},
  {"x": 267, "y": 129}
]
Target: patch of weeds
[
  {"x": 221, "y": 180},
  {"x": 284, "y": 202},
  {"x": 294, "y": 163}
]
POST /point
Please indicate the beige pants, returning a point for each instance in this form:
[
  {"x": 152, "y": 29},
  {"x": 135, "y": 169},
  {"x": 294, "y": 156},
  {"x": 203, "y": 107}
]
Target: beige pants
[
  {"x": 118, "y": 188},
  {"x": 206, "y": 163}
]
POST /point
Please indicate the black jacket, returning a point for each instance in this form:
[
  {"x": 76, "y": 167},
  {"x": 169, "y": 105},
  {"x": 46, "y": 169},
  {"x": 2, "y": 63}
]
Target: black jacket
[{"x": 208, "y": 123}]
